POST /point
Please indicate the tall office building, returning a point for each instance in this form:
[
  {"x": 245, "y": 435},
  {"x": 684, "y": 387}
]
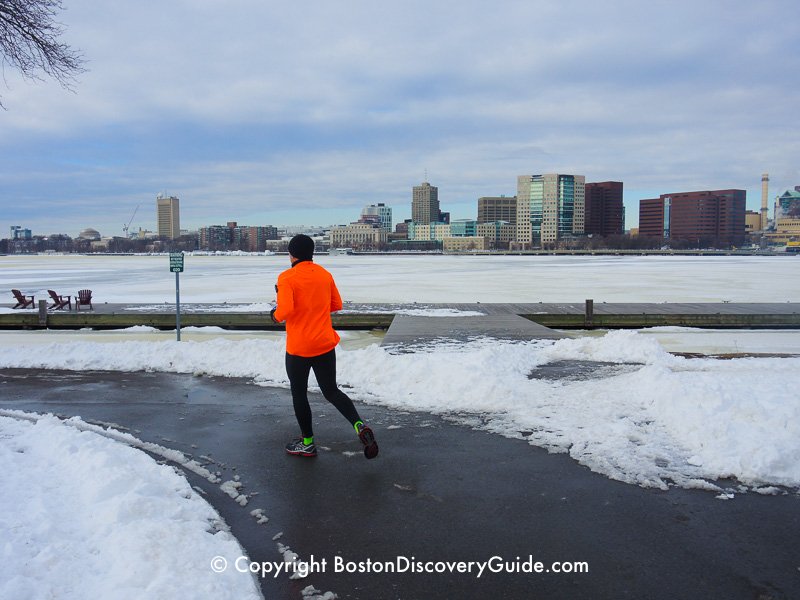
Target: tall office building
[
  {"x": 168, "y": 216},
  {"x": 20, "y": 233},
  {"x": 497, "y": 208},
  {"x": 425, "y": 204},
  {"x": 787, "y": 218},
  {"x": 605, "y": 214},
  {"x": 377, "y": 213},
  {"x": 787, "y": 205},
  {"x": 654, "y": 218},
  {"x": 549, "y": 207},
  {"x": 707, "y": 217}
]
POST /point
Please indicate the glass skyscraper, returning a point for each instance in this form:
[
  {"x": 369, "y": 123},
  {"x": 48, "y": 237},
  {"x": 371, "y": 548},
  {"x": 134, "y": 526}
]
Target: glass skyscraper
[{"x": 549, "y": 207}]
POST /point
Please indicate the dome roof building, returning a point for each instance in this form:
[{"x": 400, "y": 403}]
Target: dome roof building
[{"x": 89, "y": 234}]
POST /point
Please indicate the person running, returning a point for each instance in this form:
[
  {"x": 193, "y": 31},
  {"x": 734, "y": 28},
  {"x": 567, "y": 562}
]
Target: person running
[{"x": 307, "y": 296}]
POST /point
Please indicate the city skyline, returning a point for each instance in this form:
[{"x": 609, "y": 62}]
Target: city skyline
[
  {"x": 475, "y": 215},
  {"x": 276, "y": 114}
]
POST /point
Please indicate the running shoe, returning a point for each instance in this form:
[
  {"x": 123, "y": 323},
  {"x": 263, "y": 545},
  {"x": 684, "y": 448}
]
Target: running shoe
[
  {"x": 368, "y": 439},
  {"x": 298, "y": 448}
]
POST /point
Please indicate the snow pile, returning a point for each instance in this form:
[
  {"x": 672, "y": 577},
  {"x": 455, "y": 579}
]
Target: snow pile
[
  {"x": 232, "y": 489},
  {"x": 439, "y": 312},
  {"x": 84, "y": 516},
  {"x": 415, "y": 312},
  {"x": 263, "y": 359},
  {"x": 657, "y": 420},
  {"x": 266, "y": 307},
  {"x": 263, "y": 307},
  {"x": 722, "y": 341}
]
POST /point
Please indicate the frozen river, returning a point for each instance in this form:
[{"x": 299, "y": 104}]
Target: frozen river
[{"x": 419, "y": 278}]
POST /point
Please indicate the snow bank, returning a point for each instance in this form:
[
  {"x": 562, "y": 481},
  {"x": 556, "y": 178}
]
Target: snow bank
[
  {"x": 660, "y": 420},
  {"x": 255, "y": 307},
  {"x": 266, "y": 307},
  {"x": 415, "y": 312},
  {"x": 84, "y": 516}
]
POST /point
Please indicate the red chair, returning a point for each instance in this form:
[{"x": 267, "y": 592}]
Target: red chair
[
  {"x": 84, "y": 298},
  {"x": 22, "y": 300},
  {"x": 58, "y": 301}
]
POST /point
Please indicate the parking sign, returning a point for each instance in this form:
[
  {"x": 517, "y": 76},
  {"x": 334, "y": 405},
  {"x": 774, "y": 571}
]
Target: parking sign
[{"x": 176, "y": 262}]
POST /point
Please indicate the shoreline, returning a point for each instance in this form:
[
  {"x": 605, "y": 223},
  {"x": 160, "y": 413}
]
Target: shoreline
[
  {"x": 586, "y": 315},
  {"x": 600, "y": 252}
]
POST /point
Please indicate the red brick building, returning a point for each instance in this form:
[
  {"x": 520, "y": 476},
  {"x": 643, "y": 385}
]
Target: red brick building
[
  {"x": 604, "y": 214},
  {"x": 651, "y": 217},
  {"x": 709, "y": 218}
]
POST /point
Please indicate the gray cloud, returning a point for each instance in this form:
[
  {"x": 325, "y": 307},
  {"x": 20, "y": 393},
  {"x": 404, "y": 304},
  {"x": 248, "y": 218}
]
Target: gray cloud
[{"x": 270, "y": 107}]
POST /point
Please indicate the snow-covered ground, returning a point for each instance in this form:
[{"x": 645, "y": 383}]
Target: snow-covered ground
[
  {"x": 648, "y": 418},
  {"x": 84, "y": 516}
]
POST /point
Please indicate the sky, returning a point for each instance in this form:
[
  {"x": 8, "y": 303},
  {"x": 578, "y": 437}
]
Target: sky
[{"x": 275, "y": 113}]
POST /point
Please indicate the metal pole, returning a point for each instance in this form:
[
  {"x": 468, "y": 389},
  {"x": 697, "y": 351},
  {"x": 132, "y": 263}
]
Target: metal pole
[
  {"x": 589, "y": 316},
  {"x": 178, "y": 304},
  {"x": 43, "y": 312}
]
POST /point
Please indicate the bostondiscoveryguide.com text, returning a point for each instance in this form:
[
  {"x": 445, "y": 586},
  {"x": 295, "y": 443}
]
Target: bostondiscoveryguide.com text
[{"x": 401, "y": 564}]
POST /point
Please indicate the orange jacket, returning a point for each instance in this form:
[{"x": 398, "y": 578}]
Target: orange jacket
[{"x": 307, "y": 296}]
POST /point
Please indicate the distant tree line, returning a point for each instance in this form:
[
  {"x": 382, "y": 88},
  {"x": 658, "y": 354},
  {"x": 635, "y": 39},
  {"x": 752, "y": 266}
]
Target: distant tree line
[
  {"x": 639, "y": 242},
  {"x": 116, "y": 245}
]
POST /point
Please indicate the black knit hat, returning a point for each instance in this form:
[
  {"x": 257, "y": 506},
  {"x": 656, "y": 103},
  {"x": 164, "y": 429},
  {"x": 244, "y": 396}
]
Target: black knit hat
[{"x": 301, "y": 247}]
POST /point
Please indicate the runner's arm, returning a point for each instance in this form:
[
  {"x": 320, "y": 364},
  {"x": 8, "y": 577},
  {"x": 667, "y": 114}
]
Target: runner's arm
[
  {"x": 336, "y": 299},
  {"x": 285, "y": 301}
]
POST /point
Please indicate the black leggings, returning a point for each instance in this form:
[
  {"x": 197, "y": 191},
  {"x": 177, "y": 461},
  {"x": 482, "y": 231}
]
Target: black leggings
[{"x": 324, "y": 365}]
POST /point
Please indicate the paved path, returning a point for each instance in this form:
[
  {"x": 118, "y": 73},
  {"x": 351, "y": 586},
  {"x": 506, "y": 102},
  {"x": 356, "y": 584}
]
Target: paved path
[{"x": 438, "y": 491}]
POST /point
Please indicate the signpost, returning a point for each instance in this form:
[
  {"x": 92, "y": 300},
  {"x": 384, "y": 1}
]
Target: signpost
[{"x": 176, "y": 266}]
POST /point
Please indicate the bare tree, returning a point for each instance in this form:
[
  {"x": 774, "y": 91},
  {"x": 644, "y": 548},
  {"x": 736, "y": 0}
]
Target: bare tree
[{"x": 29, "y": 41}]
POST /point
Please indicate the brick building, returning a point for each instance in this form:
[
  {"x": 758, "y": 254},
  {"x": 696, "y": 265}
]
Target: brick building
[
  {"x": 604, "y": 212},
  {"x": 233, "y": 236},
  {"x": 712, "y": 218}
]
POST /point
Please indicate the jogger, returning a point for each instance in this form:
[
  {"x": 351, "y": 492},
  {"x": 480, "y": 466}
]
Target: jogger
[{"x": 307, "y": 296}]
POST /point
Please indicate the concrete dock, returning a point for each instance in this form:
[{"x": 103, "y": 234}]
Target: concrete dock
[
  {"x": 579, "y": 315},
  {"x": 408, "y": 330}
]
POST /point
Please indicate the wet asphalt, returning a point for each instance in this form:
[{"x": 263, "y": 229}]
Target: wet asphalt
[{"x": 438, "y": 492}]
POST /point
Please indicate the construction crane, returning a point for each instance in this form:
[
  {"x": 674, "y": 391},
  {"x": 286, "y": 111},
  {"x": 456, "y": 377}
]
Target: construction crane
[{"x": 126, "y": 226}]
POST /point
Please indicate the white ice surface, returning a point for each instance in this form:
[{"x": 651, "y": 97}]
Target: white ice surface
[
  {"x": 84, "y": 516},
  {"x": 405, "y": 279}
]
